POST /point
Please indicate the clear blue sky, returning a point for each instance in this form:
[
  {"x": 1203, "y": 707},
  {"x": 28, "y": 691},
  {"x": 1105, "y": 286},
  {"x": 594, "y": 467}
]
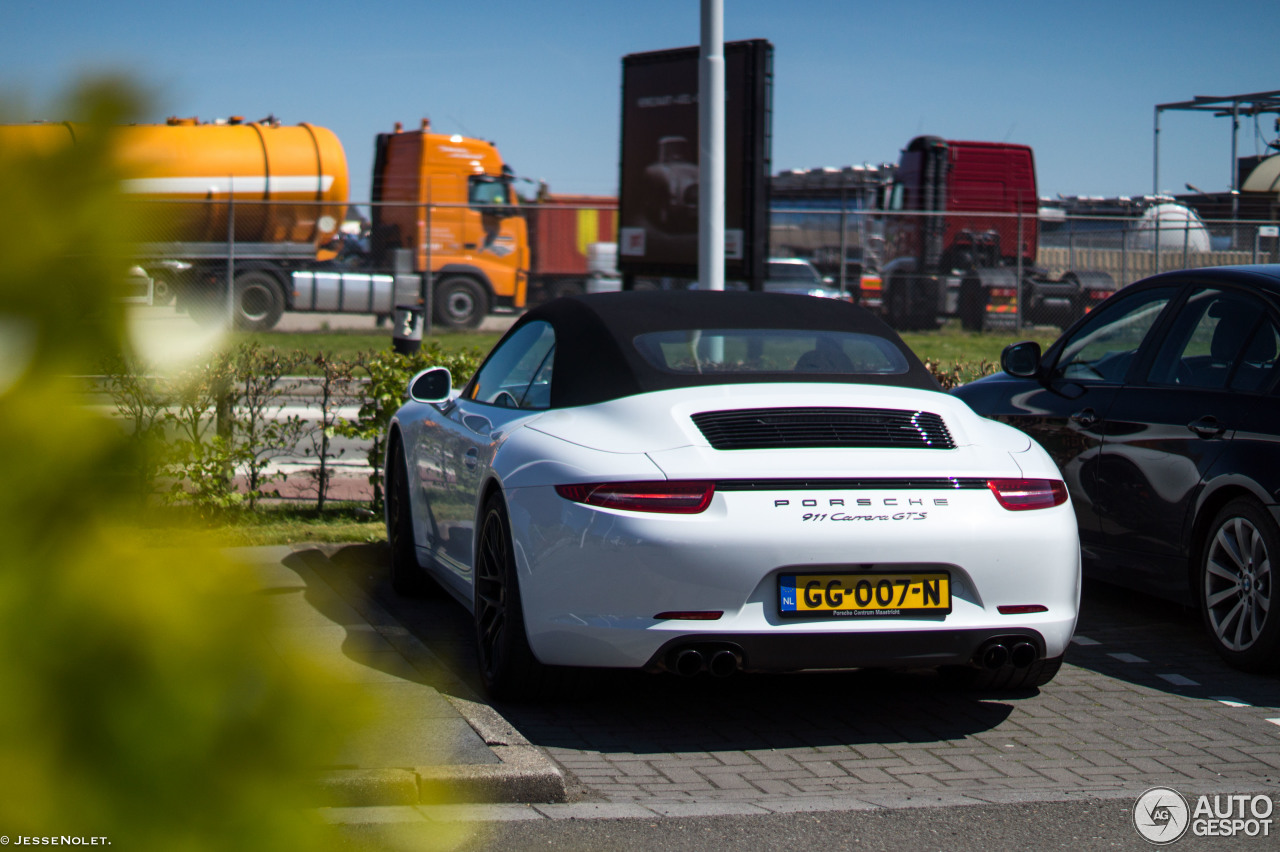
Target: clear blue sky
[{"x": 854, "y": 81}]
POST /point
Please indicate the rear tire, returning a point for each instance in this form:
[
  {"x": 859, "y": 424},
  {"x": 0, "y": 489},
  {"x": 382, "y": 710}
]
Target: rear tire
[
  {"x": 508, "y": 668},
  {"x": 407, "y": 576}
]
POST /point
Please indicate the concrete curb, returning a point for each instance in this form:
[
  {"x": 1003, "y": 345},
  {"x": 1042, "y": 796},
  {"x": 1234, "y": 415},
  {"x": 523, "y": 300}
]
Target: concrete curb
[{"x": 520, "y": 774}]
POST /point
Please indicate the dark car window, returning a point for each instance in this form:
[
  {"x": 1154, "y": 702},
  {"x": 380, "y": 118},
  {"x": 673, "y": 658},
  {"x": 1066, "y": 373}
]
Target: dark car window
[
  {"x": 1258, "y": 361},
  {"x": 770, "y": 350},
  {"x": 518, "y": 373},
  {"x": 1104, "y": 347},
  {"x": 1220, "y": 339}
]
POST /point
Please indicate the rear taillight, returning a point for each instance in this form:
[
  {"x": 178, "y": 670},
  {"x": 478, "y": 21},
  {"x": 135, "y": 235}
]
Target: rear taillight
[
  {"x": 673, "y": 498},
  {"x": 1019, "y": 494}
]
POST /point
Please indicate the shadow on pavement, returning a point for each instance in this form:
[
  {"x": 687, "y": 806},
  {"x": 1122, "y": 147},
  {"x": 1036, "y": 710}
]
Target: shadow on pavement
[
  {"x": 623, "y": 711},
  {"x": 1159, "y": 644}
]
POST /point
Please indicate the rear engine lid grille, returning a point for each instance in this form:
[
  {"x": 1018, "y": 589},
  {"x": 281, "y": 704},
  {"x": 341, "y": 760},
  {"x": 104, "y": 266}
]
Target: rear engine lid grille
[{"x": 824, "y": 428}]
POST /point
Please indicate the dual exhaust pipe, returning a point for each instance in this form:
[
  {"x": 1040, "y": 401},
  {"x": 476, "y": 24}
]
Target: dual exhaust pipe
[
  {"x": 693, "y": 659},
  {"x": 997, "y": 653},
  {"x": 721, "y": 661}
]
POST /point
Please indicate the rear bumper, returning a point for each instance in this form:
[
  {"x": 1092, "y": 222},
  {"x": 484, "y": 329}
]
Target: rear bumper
[{"x": 772, "y": 652}]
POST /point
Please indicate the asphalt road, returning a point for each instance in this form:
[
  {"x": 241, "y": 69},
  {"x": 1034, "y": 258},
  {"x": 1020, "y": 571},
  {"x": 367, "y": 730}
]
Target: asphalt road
[
  {"x": 1082, "y": 826},
  {"x": 316, "y": 322}
]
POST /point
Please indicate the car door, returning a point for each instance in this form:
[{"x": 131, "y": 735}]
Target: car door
[
  {"x": 1169, "y": 426},
  {"x": 1066, "y": 409},
  {"x": 512, "y": 385}
]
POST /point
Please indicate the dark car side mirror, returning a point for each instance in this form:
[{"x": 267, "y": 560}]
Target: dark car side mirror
[
  {"x": 434, "y": 386},
  {"x": 1021, "y": 359}
]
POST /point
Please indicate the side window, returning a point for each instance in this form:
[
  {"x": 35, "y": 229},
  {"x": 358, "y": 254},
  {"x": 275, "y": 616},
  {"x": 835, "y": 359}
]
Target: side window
[
  {"x": 1258, "y": 362},
  {"x": 1103, "y": 349},
  {"x": 485, "y": 191},
  {"x": 1220, "y": 339},
  {"x": 518, "y": 373}
]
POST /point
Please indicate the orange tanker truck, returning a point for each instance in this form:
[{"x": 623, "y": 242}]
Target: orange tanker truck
[{"x": 259, "y": 205}]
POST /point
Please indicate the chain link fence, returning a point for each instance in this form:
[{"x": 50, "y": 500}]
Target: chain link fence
[
  {"x": 277, "y": 256},
  {"x": 1072, "y": 261}
]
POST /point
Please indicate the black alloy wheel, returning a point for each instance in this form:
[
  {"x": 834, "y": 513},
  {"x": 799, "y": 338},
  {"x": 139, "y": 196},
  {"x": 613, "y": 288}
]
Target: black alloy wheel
[
  {"x": 1237, "y": 586},
  {"x": 507, "y": 665},
  {"x": 407, "y": 576}
]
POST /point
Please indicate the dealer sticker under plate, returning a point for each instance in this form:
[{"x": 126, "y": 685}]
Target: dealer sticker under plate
[{"x": 864, "y": 595}]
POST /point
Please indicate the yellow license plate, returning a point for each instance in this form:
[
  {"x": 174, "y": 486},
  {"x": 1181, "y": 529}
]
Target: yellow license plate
[{"x": 864, "y": 595}]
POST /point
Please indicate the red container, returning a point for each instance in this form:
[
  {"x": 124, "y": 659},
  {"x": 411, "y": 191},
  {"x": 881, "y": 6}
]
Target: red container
[{"x": 562, "y": 226}]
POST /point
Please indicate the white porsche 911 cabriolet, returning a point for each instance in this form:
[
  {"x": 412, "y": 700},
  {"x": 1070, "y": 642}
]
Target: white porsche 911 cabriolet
[{"x": 722, "y": 482}]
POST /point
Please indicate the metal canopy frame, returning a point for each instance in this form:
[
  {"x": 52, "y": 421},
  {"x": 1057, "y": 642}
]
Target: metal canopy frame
[{"x": 1235, "y": 106}]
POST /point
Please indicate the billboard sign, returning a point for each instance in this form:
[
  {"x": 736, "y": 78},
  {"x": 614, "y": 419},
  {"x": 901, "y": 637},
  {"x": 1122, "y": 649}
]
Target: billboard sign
[{"x": 658, "y": 197}]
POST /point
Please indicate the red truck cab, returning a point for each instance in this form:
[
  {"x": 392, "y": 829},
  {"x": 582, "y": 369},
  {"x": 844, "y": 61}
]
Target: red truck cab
[{"x": 961, "y": 234}]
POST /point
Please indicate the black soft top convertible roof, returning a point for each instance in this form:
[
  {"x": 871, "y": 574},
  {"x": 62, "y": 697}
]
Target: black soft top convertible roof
[{"x": 595, "y": 359}]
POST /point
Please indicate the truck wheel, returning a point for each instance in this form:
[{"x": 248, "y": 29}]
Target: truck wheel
[
  {"x": 207, "y": 307},
  {"x": 259, "y": 301},
  {"x": 909, "y": 309},
  {"x": 162, "y": 291},
  {"x": 973, "y": 306},
  {"x": 895, "y": 303},
  {"x": 567, "y": 288},
  {"x": 460, "y": 302},
  {"x": 922, "y": 306}
]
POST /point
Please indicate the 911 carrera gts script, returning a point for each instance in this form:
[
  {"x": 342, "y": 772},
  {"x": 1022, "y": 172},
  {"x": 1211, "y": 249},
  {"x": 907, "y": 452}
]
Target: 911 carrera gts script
[
  {"x": 837, "y": 512},
  {"x": 842, "y": 516}
]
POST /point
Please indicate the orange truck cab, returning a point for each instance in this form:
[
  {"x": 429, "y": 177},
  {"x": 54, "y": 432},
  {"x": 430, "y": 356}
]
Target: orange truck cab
[{"x": 450, "y": 200}]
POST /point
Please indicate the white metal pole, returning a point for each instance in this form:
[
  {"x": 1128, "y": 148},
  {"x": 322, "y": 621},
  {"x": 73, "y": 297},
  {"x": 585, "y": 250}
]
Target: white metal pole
[{"x": 711, "y": 148}]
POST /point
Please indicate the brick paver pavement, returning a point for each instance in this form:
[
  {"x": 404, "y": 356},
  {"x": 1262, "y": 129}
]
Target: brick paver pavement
[{"x": 1142, "y": 702}]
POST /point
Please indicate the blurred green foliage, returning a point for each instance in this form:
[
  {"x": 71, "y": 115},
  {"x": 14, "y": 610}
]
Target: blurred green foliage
[{"x": 142, "y": 702}]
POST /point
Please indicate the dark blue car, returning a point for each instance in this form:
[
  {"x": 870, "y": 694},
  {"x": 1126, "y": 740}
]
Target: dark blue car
[{"x": 1162, "y": 410}]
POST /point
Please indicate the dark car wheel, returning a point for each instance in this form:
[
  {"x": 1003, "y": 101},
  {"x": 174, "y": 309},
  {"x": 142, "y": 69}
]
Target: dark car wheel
[
  {"x": 1237, "y": 586},
  {"x": 508, "y": 668},
  {"x": 407, "y": 577}
]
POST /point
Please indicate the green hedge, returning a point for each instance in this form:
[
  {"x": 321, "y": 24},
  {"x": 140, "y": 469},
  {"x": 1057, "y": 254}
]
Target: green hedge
[{"x": 194, "y": 428}]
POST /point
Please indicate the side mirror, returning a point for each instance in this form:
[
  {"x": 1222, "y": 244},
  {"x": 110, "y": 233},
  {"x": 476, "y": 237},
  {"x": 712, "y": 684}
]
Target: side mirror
[
  {"x": 434, "y": 386},
  {"x": 1021, "y": 359}
]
